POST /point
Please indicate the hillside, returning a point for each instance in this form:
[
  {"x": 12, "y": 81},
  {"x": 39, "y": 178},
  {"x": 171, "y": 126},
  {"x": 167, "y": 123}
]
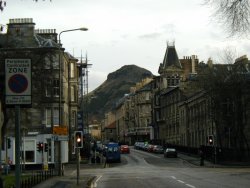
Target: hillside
[{"x": 118, "y": 83}]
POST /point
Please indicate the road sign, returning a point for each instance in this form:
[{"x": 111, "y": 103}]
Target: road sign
[
  {"x": 60, "y": 130},
  {"x": 60, "y": 138},
  {"x": 18, "y": 81}
]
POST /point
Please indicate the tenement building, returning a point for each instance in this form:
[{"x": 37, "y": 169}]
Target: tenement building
[
  {"x": 54, "y": 81},
  {"x": 169, "y": 88},
  {"x": 194, "y": 106},
  {"x": 201, "y": 106}
]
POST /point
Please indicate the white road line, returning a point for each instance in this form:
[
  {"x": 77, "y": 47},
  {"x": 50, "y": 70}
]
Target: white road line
[
  {"x": 190, "y": 185},
  {"x": 93, "y": 185},
  {"x": 180, "y": 181},
  {"x": 98, "y": 178}
]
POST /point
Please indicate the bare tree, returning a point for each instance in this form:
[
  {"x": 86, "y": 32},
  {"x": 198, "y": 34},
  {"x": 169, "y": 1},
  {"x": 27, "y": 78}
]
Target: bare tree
[
  {"x": 2, "y": 5},
  {"x": 228, "y": 55},
  {"x": 232, "y": 14},
  {"x": 227, "y": 86}
]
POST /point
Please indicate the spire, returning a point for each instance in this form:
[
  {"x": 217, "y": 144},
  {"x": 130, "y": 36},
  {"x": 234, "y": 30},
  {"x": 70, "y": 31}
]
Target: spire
[{"x": 171, "y": 57}]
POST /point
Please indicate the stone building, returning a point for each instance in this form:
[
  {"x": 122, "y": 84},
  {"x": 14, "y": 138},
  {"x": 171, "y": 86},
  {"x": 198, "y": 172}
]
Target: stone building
[
  {"x": 133, "y": 114},
  {"x": 95, "y": 131},
  {"x": 186, "y": 115},
  {"x": 108, "y": 128},
  {"x": 120, "y": 119},
  {"x": 143, "y": 127},
  {"x": 167, "y": 92},
  {"x": 195, "y": 120},
  {"x": 169, "y": 126},
  {"x": 49, "y": 63}
]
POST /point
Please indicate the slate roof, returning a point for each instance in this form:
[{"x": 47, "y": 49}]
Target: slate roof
[{"x": 171, "y": 58}]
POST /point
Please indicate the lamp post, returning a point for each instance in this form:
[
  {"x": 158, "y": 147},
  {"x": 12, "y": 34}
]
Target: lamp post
[
  {"x": 60, "y": 80},
  {"x": 60, "y": 169}
]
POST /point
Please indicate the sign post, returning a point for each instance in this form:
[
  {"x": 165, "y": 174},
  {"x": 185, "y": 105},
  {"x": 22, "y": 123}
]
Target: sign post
[
  {"x": 18, "y": 81},
  {"x": 18, "y": 92},
  {"x": 78, "y": 142},
  {"x": 17, "y": 149}
]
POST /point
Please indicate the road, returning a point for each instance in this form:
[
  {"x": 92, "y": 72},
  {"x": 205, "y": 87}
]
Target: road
[{"x": 140, "y": 169}]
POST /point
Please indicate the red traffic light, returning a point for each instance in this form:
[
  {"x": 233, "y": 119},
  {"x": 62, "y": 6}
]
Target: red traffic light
[
  {"x": 40, "y": 147},
  {"x": 210, "y": 139},
  {"x": 78, "y": 139}
]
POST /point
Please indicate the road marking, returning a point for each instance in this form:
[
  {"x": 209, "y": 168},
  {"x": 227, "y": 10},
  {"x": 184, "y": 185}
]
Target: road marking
[
  {"x": 94, "y": 185},
  {"x": 190, "y": 185},
  {"x": 180, "y": 181},
  {"x": 98, "y": 178}
]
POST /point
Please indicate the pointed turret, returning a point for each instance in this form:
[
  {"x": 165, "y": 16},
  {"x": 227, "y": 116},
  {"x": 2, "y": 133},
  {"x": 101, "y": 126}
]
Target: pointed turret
[{"x": 170, "y": 59}]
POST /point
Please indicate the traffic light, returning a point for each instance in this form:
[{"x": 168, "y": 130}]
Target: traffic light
[
  {"x": 8, "y": 143},
  {"x": 45, "y": 147},
  {"x": 40, "y": 147},
  {"x": 210, "y": 140},
  {"x": 78, "y": 139}
]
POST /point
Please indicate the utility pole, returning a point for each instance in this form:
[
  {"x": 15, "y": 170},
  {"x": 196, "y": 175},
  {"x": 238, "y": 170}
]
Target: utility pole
[{"x": 60, "y": 106}]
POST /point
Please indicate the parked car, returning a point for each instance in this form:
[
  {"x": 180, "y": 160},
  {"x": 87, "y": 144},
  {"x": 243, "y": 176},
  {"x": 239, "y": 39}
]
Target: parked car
[
  {"x": 150, "y": 148},
  {"x": 145, "y": 147},
  {"x": 139, "y": 145},
  {"x": 170, "y": 152},
  {"x": 158, "y": 149},
  {"x": 124, "y": 149}
]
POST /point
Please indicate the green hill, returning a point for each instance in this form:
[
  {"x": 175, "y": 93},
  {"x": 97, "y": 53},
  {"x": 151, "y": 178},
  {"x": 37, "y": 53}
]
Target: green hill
[{"x": 118, "y": 83}]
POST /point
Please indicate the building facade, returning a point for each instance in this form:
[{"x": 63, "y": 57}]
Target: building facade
[{"x": 54, "y": 80}]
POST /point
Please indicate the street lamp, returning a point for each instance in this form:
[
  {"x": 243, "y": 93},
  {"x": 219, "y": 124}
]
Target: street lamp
[
  {"x": 60, "y": 81},
  {"x": 60, "y": 90}
]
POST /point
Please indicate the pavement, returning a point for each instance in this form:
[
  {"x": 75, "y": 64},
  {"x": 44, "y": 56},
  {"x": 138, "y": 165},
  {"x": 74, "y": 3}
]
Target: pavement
[
  {"x": 68, "y": 181},
  {"x": 195, "y": 160}
]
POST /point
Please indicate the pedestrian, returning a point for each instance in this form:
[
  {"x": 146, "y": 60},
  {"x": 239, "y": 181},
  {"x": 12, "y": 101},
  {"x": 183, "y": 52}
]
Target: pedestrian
[{"x": 201, "y": 158}]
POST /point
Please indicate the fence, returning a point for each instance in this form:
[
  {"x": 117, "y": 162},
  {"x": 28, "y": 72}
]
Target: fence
[
  {"x": 222, "y": 154},
  {"x": 36, "y": 178}
]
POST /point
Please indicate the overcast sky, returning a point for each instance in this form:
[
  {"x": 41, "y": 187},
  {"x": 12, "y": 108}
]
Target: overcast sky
[{"x": 124, "y": 32}]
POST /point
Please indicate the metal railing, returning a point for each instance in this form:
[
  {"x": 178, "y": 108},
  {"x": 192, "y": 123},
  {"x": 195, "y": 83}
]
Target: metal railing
[{"x": 36, "y": 178}]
